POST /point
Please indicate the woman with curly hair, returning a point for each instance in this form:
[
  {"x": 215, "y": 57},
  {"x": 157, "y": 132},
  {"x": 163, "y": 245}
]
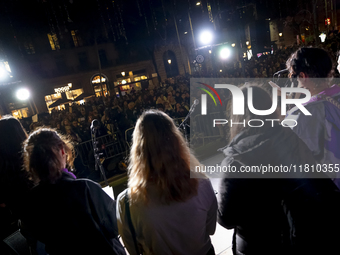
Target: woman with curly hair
[{"x": 68, "y": 215}]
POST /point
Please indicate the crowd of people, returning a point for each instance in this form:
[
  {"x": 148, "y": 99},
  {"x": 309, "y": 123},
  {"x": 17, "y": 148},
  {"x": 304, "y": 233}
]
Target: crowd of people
[
  {"x": 117, "y": 114},
  {"x": 169, "y": 207}
]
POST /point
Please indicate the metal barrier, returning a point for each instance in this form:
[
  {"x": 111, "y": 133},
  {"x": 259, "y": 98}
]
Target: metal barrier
[
  {"x": 202, "y": 128},
  {"x": 128, "y": 136},
  {"x": 111, "y": 145},
  {"x": 114, "y": 144}
]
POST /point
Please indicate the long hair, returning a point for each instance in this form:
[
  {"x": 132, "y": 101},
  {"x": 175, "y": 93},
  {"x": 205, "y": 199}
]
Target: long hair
[
  {"x": 42, "y": 155},
  {"x": 12, "y": 135},
  {"x": 261, "y": 101},
  {"x": 161, "y": 157}
]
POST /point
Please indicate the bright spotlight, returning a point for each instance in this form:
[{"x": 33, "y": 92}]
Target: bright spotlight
[
  {"x": 3, "y": 73},
  {"x": 225, "y": 53},
  {"x": 23, "y": 94},
  {"x": 198, "y": 3},
  {"x": 169, "y": 61},
  {"x": 206, "y": 37}
]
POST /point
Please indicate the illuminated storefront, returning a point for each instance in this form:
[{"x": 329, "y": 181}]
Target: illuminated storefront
[
  {"x": 68, "y": 96},
  {"x": 21, "y": 109},
  {"x": 133, "y": 79},
  {"x": 20, "y": 113},
  {"x": 98, "y": 86}
]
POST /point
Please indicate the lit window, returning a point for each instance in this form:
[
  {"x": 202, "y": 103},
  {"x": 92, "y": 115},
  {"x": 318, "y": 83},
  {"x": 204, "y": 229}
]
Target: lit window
[
  {"x": 124, "y": 81},
  {"x": 20, "y": 113},
  {"x": 53, "y": 41},
  {"x": 76, "y": 38},
  {"x": 127, "y": 87},
  {"x": 72, "y": 94},
  {"x": 29, "y": 48},
  {"x": 96, "y": 79}
]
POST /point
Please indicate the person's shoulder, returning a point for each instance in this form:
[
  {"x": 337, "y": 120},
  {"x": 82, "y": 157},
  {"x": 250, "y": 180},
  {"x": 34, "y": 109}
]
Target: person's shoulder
[
  {"x": 310, "y": 106},
  {"x": 204, "y": 185},
  {"x": 121, "y": 199},
  {"x": 315, "y": 109},
  {"x": 82, "y": 182},
  {"x": 121, "y": 196}
]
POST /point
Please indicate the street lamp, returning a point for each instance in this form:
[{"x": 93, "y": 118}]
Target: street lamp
[
  {"x": 206, "y": 37},
  {"x": 233, "y": 45},
  {"x": 123, "y": 73},
  {"x": 169, "y": 61},
  {"x": 224, "y": 53},
  {"x": 322, "y": 37},
  {"x": 23, "y": 94},
  {"x": 198, "y": 3}
]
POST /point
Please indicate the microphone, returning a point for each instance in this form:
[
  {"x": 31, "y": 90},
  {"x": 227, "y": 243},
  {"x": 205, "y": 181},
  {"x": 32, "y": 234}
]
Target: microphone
[
  {"x": 94, "y": 124},
  {"x": 192, "y": 109},
  {"x": 281, "y": 72},
  {"x": 196, "y": 102}
]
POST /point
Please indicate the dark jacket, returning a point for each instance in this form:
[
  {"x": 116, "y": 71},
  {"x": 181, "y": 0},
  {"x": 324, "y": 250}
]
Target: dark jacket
[
  {"x": 284, "y": 215},
  {"x": 14, "y": 185},
  {"x": 73, "y": 217}
]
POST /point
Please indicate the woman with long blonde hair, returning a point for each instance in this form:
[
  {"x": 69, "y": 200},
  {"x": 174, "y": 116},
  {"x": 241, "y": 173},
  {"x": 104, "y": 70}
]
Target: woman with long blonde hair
[{"x": 165, "y": 210}]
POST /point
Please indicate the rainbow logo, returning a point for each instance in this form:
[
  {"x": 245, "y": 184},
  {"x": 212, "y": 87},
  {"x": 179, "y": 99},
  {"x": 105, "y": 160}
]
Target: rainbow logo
[
  {"x": 204, "y": 97},
  {"x": 213, "y": 90}
]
